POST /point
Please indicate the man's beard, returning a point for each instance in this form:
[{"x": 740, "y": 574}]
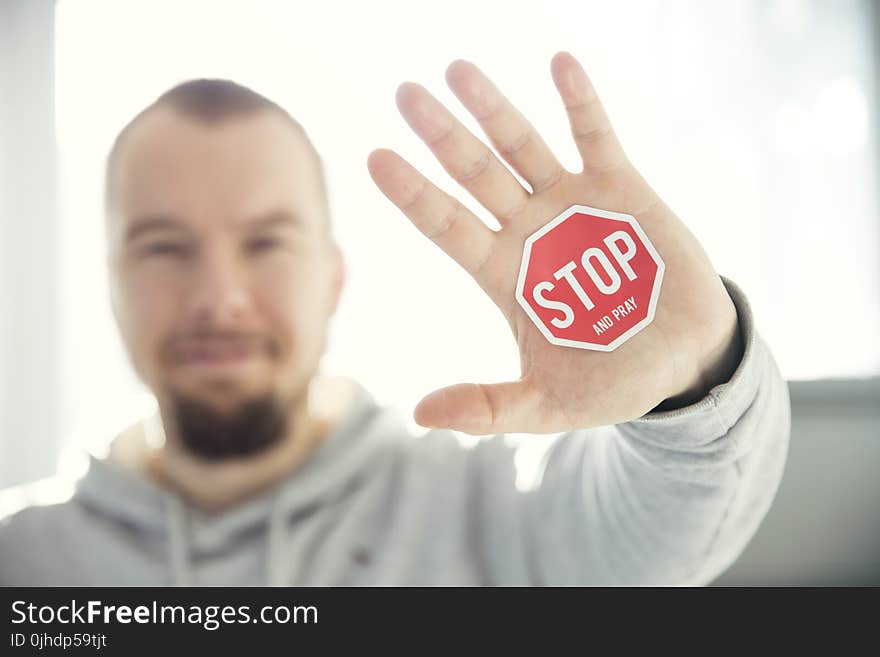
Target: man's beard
[{"x": 253, "y": 427}]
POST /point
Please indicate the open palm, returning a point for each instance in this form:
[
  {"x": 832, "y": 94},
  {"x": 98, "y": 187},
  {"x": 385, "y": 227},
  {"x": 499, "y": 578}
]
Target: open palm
[{"x": 693, "y": 342}]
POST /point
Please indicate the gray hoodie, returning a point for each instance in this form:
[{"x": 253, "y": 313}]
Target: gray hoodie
[{"x": 670, "y": 498}]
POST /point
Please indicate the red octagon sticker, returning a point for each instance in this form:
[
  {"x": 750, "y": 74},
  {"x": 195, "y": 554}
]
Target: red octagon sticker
[{"x": 590, "y": 278}]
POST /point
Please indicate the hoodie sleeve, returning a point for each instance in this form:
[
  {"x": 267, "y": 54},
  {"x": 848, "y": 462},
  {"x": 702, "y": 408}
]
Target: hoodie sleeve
[{"x": 672, "y": 497}]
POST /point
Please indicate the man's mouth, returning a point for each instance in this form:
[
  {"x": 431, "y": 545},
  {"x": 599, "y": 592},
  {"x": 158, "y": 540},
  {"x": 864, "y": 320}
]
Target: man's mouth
[{"x": 219, "y": 355}]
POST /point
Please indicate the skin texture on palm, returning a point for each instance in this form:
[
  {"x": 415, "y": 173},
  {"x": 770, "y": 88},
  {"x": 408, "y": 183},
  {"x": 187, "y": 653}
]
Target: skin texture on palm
[{"x": 693, "y": 343}]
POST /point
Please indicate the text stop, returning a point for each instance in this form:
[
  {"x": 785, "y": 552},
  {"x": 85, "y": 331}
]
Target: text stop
[{"x": 590, "y": 278}]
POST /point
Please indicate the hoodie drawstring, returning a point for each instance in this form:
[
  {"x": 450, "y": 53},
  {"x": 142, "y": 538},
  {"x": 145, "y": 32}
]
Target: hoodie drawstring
[
  {"x": 179, "y": 557},
  {"x": 178, "y": 549},
  {"x": 275, "y": 543},
  {"x": 177, "y": 544}
]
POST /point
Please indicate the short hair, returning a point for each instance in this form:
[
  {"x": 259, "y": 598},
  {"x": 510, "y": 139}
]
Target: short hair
[{"x": 212, "y": 100}]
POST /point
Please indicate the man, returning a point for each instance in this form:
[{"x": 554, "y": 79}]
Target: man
[{"x": 224, "y": 275}]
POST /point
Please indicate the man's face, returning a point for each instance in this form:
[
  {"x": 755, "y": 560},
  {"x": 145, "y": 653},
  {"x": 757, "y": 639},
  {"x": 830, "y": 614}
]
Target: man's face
[{"x": 223, "y": 275}]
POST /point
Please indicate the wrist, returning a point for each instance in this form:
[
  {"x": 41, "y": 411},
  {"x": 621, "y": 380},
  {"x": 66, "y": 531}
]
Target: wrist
[{"x": 716, "y": 366}]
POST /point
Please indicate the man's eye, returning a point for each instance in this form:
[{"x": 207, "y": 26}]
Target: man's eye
[
  {"x": 263, "y": 244},
  {"x": 165, "y": 248}
]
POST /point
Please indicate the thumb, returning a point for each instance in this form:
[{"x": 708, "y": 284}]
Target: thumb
[{"x": 478, "y": 408}]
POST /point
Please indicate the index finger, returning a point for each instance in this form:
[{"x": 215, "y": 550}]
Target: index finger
[{"x": 441, "y": 217}]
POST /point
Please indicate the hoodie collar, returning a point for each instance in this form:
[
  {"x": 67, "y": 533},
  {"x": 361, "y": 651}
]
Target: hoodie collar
[{"x": 361, "y": 435}]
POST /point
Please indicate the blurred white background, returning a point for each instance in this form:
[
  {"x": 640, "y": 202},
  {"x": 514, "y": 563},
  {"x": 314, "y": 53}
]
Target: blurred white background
[{"x": 756, "y": 120}]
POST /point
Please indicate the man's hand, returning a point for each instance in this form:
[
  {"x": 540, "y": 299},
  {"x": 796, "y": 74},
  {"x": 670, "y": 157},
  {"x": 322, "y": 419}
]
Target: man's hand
[{"x": 693, "y": 343}]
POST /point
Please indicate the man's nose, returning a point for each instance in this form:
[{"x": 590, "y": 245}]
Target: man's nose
[{"x": 220, "y": 292}]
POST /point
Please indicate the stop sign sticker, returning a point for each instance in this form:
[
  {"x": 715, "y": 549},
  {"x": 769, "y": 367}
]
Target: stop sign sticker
[{"x": 590, "y": 278}]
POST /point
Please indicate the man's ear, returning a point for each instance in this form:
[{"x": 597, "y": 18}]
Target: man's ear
[
  {"x": 112, "y": 289},
  {"x": 338, "y": 274}
]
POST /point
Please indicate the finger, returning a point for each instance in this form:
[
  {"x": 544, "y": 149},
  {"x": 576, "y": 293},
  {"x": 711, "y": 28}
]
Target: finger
[
  {"x": 510, "y": 133},
  {"x": 598, "y": 145},
  {"x": 479, "y": 408},
  {"x": 454, "y": 228},
  {"x": 467, "y": 159}
]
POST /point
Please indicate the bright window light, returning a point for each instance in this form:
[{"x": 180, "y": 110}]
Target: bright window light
[{"x": 750, "y": 118}]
